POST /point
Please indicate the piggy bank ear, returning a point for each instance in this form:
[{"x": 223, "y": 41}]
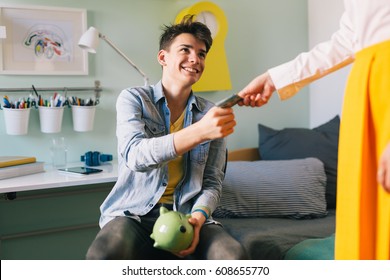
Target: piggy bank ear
[{"x": 163, "y": 210}]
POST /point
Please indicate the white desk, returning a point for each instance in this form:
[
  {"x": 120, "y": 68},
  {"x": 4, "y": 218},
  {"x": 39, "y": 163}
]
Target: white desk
[{"x": 52, "y": 178}]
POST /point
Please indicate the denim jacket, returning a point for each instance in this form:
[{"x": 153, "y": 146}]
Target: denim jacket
[{"x": 145, "y": 146}]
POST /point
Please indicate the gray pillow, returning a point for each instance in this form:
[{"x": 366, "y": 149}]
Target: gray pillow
[
  {"x": 281, "y": 188},
  {"x": 297, "y": 143}
]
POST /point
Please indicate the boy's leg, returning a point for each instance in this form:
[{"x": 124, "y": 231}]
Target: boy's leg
[
  {"x": 126, "y": 238},
  {"x": 217, "y": 244}
]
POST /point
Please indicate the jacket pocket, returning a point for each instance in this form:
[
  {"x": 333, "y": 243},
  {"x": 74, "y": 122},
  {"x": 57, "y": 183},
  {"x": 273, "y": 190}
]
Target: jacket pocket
[
  {"x": 153, "y": 129},
  {"x": 199, "y": 153}
]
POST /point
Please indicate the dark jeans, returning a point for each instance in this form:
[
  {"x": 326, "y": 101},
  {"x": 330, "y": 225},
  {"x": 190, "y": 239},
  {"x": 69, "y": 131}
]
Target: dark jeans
[{"x": 126, "y": 238}]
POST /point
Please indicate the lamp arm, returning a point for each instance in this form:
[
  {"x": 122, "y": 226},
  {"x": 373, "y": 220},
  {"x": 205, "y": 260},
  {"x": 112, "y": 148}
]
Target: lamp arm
[{"x": 146, "y": 79}]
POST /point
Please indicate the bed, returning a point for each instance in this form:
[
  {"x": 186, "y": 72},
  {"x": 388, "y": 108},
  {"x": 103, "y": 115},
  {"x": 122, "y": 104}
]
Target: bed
[{"x": 279, "y": 198}]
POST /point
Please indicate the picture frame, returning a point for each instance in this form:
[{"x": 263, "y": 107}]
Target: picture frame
[{"x": 42, "y": 40}]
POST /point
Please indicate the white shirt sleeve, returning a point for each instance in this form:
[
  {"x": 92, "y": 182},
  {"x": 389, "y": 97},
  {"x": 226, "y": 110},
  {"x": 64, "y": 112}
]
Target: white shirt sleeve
[{"x": 323, "y": 59}]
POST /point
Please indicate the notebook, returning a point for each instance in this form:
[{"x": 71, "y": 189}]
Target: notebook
[{"x": 6, "y": 161}]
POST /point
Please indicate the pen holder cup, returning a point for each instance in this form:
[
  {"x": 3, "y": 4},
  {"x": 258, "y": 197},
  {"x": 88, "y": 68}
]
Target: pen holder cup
[
  {"x": 16, "y": 121},
  {"x": 83, "y": 118},
  {"x": 50, "y": 119}
]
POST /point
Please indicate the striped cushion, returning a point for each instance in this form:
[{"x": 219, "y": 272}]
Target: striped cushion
[
  {"x": 297, "y": 143},
  {"x": 281, "y": 188}
]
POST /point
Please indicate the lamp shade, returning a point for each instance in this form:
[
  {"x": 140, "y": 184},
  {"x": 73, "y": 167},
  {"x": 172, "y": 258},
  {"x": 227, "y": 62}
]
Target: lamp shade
[
  {"x": 89, "y": 41},
  {"x": 3, "y": 33}
]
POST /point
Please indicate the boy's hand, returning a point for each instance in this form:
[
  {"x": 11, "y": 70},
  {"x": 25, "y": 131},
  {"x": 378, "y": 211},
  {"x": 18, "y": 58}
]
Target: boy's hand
[
  {"x": 217, "y": 123},
  {"x": 196, "y": 221}
]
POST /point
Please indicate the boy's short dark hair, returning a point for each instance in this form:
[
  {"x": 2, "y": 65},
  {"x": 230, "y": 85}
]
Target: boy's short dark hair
[{"x": 199, "y": 30}]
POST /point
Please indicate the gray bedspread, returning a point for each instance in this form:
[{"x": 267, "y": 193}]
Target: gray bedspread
[{"x": 271, "y": 238}]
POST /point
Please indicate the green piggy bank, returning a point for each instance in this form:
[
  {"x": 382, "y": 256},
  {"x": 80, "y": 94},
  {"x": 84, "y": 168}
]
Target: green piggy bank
[{"x": 172, "y": 231}]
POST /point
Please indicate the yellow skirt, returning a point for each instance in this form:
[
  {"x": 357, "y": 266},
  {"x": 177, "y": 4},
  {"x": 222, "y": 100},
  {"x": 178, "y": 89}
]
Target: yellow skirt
[{"x": 363, "y": 207}]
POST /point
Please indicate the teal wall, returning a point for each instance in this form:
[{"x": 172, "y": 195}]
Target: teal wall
[{"x": 261, "y": 34}]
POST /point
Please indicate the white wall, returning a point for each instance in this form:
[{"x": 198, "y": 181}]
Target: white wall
[{"x": 326, "y": 94}]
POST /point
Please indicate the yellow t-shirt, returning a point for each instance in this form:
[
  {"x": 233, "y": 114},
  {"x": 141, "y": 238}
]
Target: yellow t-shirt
[{"x": 175, "y": 167}]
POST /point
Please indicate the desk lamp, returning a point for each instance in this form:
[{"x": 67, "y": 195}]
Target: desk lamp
[{"x": 89, "y": 41}]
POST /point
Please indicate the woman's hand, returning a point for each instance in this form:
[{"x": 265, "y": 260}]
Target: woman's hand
[
  {"x": 383, "y": 175},
  {"x": 258, "y": 91}
]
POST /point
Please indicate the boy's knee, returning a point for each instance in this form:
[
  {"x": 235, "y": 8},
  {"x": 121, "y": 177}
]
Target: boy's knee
[
  {"x": 235, "y": 252},
  {"x": 241, "y": 253},
  {"x": 95, "y": 252}
]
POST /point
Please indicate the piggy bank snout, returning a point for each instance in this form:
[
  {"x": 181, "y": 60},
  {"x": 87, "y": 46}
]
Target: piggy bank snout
[{"x": 183, "y": 229}]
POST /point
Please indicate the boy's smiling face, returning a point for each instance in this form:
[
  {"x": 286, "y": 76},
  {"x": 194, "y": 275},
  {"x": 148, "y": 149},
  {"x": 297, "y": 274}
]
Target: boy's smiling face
[{"x": 184, "y": 62}]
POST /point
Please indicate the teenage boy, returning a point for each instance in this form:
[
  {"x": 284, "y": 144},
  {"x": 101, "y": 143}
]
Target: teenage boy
[{"x": 172, "y": 153}]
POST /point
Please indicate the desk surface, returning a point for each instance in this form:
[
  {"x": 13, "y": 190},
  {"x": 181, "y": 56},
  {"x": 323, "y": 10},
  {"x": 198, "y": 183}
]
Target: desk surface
[{"x": 52, "y": 178}]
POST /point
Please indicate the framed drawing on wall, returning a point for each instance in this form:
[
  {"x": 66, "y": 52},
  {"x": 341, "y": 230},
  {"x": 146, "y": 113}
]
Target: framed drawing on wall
[{"x": 42, "y": 41}]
